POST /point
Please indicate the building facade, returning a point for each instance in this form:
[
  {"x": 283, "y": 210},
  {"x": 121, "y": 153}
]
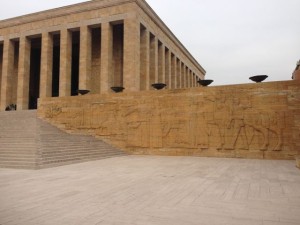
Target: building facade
[{"x": 91, "y": 46}]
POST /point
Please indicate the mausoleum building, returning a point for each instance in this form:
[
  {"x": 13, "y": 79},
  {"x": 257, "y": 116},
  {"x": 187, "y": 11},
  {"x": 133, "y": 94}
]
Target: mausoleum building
[{"x": 91, "y": 46}]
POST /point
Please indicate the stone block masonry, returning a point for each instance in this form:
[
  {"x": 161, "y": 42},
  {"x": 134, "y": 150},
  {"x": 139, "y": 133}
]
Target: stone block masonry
[
  {"x": 92, "y": 46},
  {"x": 243, "y": 121}
]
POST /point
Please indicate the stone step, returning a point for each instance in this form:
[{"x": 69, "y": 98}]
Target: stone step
[
  {"x": 18, "y": 165},
  {"x": 68, "y": 162},
  {"x": 77, "y": 157},
  {"x": 28, "y": 142}
]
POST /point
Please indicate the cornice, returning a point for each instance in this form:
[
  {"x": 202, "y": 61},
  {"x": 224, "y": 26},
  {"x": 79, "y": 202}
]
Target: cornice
[{"x": 62, "y": 11}]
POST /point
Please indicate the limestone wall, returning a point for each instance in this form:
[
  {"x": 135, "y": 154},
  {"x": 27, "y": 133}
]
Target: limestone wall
[{"x": 247, "y": 121}]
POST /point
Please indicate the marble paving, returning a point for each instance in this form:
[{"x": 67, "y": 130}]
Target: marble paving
[{"x": 153, "y": 190}]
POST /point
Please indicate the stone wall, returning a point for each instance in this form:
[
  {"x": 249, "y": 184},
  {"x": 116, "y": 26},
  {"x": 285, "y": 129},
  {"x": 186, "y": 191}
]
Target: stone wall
[{"x": 245, "y": 121}]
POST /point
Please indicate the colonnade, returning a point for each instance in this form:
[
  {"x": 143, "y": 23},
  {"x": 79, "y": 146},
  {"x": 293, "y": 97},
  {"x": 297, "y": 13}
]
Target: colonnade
[
  {"x": 90, "y": 57},
  {"x": 159, "y": 64}
]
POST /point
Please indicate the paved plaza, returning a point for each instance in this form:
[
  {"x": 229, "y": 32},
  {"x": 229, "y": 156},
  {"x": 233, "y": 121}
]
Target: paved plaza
[{"x": 153, "y": 190}]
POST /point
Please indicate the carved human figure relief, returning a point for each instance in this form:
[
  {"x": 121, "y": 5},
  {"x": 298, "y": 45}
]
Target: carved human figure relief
[
  {"x": 138, "y": 129},
  {"x": 237, "y": 124},
  {"x": 223, "y": 119},
  {"x": 156, "y": 133},
  {"x": 277, "y": 124}
]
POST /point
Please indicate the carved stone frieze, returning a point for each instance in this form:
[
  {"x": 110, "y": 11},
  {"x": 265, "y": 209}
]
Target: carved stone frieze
[{"x": 228, "y": 121}]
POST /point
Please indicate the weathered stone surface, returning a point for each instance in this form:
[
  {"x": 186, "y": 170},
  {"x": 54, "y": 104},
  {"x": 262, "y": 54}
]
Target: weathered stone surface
[
  {"x": 154, "y": 190},
  {"x": 94, "y": 45},
  {"x": 243, "y": 121}
]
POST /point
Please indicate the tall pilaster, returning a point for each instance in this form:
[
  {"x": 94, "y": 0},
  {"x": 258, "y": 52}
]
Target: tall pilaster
[
  {"x": 23, "y": 74},
  {"x": 145, "y": 59},
  {"x": 106, "y": 57},
  {"x": 85, "y": 58},
  {"x": 131, "y": 70},
  {"x": 46, "y": 65},
  {"x": 7, "y": 72},
  {"x": 65, "y": 63}
]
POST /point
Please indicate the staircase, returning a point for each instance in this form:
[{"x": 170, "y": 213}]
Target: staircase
[{"x": 27, "y": 142}]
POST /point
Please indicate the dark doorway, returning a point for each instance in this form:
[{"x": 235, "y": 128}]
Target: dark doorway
[
  {"x": 35, "y": 65},
  {"x": 118, "y": 49},
  {"x": 55, "y": 66},
  {"x": 75, "y": 63},
  {"x": 1, "y": 60}
]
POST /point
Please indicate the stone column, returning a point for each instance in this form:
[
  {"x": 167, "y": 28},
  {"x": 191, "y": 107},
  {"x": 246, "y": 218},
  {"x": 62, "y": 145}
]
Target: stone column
[
  {"x": 153, "y": 60},
  {"x": 145, "y": 59},
  {"x": 106, "y": 57},
  {"x": 65, "y": 63},
  {"x": 46, "y": 65},
  {"x": 174, "y": 72},
  {"x": 7, "y": 73},
  {"x": 23, "y": 74},
  {"x": 193, "y": 79},
  {"x": 168, "y": 69},
  {"x": 161, "y": 63},
  {"x": 131, "y": 70},
  {"x": 188, "y": 78},
  {"x": 183, "y": 80},
  {"x": 85, "y": 58},
  {"x": 178, "y": 77},
  {"x": 1, "y": 61}
]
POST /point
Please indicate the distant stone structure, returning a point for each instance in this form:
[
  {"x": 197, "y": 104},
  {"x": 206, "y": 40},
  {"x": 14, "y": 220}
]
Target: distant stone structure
[
  {"x": 92, "y": 46},
  {"x": 296, "y": 73}
]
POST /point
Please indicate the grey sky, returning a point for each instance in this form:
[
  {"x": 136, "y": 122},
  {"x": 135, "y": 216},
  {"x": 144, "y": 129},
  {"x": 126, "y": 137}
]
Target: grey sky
[{"x": 231, "y": 39}]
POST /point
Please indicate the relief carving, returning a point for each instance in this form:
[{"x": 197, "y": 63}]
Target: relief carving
[
  {"x": 223, "y": 121},
  {"x": 52, "y": 111},
  {"x": 175, "y": 125},
  {"x": 137, "y": 122},
  {"x": 234, "y": 124}
]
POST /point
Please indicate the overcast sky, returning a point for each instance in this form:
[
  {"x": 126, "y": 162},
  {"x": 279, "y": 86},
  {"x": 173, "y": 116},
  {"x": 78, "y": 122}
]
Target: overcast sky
[{"x": 231, "y": 39}]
